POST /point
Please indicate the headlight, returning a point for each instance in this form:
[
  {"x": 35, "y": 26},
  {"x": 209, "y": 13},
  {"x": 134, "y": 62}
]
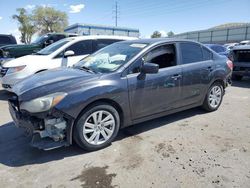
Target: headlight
[
  {"x": 6, "y": 53},
  {"x": 15, "y": 69},
  {"x": 42, "y": 104}
]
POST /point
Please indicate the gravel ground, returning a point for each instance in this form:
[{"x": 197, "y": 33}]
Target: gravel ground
[{"x": 187, "y": 149}]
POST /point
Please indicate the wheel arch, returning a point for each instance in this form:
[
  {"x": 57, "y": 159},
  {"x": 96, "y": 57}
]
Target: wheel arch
[{"x": 104, "y": 101}]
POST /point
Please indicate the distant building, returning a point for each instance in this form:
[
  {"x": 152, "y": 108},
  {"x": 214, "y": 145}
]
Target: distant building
[
  {"x": 221, "y": 34},
  {"x": 89, "y": 29}
]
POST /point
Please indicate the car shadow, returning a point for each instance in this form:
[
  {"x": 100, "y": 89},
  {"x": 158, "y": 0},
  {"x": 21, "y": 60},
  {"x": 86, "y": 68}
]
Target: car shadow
[
  {"x": 244, "y": 83},
  {"x": 15, "y": 150}
]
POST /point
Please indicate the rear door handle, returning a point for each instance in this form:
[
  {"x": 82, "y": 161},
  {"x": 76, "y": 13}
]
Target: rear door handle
[{"x": 176, "y": 76}]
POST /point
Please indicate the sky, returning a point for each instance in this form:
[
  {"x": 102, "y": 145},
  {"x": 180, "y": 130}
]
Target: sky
[{"x": 147, "y": 15}]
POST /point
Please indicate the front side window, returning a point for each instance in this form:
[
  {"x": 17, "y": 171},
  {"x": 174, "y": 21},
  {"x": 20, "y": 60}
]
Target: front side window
[
  {"x": 112, "y": 57},
  {"x": 191, "y": 53},
  {"x": 164, "y": 56},
  {"x": 53, "y": 47},
  {"x": 41, "y": 39},
  {"x": 81, "y": 47}
]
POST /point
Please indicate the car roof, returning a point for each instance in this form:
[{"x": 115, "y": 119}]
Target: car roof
[
  {"x": 160, "y": 40},
  {"x": 93, "y": 37}
]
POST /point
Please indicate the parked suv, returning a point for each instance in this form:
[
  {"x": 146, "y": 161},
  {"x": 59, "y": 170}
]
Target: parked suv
[
  {"x": 7, "y": 39},
  {"x": 241, "y": 60},
  {"x": 120, "y": 85},
  {"x": 9, "y": 52},
  {"x": 66, "y": 51}
]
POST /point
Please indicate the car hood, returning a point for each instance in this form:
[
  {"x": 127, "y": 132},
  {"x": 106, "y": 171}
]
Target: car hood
[
  {"x": 18, "y": 46},
  {"x": 51, "y": 81},
  {"x": 25, "y": 60}
]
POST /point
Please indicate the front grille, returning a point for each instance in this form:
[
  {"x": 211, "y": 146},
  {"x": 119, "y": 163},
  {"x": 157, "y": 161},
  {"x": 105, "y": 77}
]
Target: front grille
[{"x": 3, "y": 71}]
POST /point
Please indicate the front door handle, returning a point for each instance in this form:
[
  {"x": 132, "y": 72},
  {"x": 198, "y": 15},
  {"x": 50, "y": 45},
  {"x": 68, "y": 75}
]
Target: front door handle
[{"x": 176, "y": 76}]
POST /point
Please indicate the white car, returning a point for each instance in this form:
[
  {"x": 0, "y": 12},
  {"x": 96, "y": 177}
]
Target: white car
[{"x": 68, "y": 50}]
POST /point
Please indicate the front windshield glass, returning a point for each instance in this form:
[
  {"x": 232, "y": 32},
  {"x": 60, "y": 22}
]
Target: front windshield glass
[
  {"x": 112, "y": 57},
  {"x": 53, "y": 47},
  {"x": 40, "y": 40}
]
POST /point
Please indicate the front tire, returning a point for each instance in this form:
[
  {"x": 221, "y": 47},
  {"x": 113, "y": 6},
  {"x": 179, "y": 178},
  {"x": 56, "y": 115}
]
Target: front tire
[
  {"x": 214, "y": 97},
  {"x": 97, "y": 127}
]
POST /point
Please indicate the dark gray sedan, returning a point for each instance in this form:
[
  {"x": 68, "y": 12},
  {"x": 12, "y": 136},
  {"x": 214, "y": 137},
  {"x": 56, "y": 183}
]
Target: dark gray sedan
[{"x": 120, "y": 85}]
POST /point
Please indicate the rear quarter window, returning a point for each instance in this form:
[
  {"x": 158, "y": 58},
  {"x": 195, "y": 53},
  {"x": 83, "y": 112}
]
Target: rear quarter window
[{"x": 207, "y": 54}]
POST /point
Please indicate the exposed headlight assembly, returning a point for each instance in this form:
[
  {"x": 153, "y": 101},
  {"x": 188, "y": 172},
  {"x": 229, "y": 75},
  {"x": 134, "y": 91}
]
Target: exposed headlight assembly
[
  {"x": 15, "y": 69},
  {"x": 6, "y": 53},
  {"x": 43, "y": 104}
]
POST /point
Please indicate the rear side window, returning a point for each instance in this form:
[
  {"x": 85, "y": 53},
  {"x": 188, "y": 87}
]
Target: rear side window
[
  {"x": 191, "y": 53},
  {"x": 101, "y": 43},
  {"x": 6, "y": 40},
  {"x": 207, "y": 55},
  {"x": 57, "y": 37},
  {"x": 81, "y": 47}
]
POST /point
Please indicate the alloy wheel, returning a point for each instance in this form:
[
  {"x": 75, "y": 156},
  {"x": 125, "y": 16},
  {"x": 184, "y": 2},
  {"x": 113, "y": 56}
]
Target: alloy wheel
[
  {"x": 215, "y": 96},
  {"x": 99, "y": 127}
]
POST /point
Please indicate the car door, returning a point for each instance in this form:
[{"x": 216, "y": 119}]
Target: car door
[
  {"x": 81, "y": 50},
  {"x": 197, "y": 66},
  {"x": 155, "y": 93}
]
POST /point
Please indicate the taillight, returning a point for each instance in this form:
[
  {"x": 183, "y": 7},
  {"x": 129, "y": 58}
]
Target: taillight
[{"x": 230, "y": 64}]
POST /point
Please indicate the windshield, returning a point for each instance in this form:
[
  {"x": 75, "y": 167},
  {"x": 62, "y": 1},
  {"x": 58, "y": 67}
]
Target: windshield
[
  {"x": 53, "y": 47},
  {"x": 111, "y": 58},
  {"x": 40, "y": 40}
]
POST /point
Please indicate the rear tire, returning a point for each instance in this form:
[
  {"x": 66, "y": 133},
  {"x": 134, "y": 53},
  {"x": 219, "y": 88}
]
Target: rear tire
[
  {"x": 237, "y": 77},
  {"x": 214, "y": 97},
  {"x": 97, "y": 127}
]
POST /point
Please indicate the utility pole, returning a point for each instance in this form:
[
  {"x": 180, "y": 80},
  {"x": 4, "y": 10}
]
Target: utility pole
[{"x": 116, "y": 11}]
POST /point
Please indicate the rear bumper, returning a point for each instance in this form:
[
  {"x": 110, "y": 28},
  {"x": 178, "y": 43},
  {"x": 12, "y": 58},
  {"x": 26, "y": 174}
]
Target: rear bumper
[{"x": 47, "y": 133}]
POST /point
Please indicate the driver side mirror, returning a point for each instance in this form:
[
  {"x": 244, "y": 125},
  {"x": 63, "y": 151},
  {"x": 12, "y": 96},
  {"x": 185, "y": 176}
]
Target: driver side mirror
[
  {"x": 66, "y": 54},
  {"x": 150, "y": 68}
]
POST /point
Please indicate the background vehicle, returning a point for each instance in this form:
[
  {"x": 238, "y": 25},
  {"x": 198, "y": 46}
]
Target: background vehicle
[
  {"x": 245, "y": 42},
  {"x": 229, "y": 46},
  {"x": 18, "y": 50},
  {"x": 125, "y": 83},
  {"x": 218, "y": 49},
  {"x": 50, "y": 57},
  {"x": 241, "y": 60},
  {"x": 7, "y": 39}
]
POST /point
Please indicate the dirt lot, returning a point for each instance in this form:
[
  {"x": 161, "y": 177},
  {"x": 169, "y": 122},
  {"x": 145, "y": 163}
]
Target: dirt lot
[{"x": 188, "y": 149}]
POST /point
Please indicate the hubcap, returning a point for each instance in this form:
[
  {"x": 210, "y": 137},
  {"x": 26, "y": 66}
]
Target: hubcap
[
  {"x": 215, "y": 96},
  {"x": 99, "y": 127}
]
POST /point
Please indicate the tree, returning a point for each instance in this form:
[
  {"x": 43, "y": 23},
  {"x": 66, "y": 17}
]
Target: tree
[
  {"x": 47, "y": 19},
  {"x": 156, "y": 34},
  {"x": 26, "y": 27},
  {"x": 170, "y": 34}
]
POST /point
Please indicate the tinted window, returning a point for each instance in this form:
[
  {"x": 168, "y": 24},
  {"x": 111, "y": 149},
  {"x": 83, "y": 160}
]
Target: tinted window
[
  {"x": 81, "y": 47},
  {"x": 207, "y": 55},
  {"x": 101, "y": 43},
  {"x": 5, "y": 40},
  {"x": 191, "y": 53},
  {"x": 57, "y": 37}
]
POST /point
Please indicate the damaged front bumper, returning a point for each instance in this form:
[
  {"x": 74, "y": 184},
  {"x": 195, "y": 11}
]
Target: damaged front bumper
[{"x": 48, "y": 130}]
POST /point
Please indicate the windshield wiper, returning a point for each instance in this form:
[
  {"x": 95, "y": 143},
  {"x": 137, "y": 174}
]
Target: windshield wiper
[{"x": 86, "y": 69}]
